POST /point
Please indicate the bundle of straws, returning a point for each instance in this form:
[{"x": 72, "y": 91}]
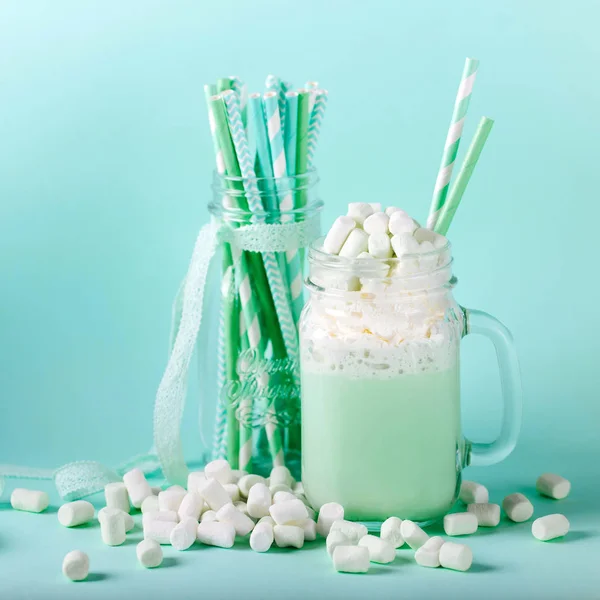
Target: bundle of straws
[
  {"x": 262, "y": 292},
  {"x": 445, "y": 198}
]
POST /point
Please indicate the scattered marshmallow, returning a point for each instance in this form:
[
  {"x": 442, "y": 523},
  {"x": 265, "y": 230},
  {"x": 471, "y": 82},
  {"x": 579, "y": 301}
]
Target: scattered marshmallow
[
  {"x": 128, "y": 521},
  {"x": 247, "y": 482},
  {"x": 404, "y": 243},
  {"x": 428, "y": 555},
  {"x": 488, "y": 515},
  {"x": 422, "y": 234},
  {"x": 390, "y": 210},
  {"x": 286, "y": 497},
  {"x": 413, "y": 535},
  {"x": 517, "y": 507},
  {"x": 330, "y": 512},
  {"x": 219, "y": 470},
  {"x": 175, "y": 488},
  {"x": 183, "y": 534},
  {"x": 359, "y": 211},
  {"x": 171, "y": 499},
  {"x": 214, "y": 494},
  {"x": 463, "y": 523},
  {"x": 288, "y": 536},
  {"x": 472, "y": 492},
  {"x": 456, "y": 556},
  {"x": 159, "y": 531},
  {"x": 116, "y": 496},
  {"x": 112, "y": 526},
  {"x": 400, "y": 222},
  {"x": 553, "y": 486},
  {"x": 353, "y": 531},
  {"x": 261, "y": 538},
  {"x": 161, "y": 515},
  {"x": 216, "y": 533},
  {"x": 196, "y": 480},
  {"x": 259, "y": 500},
  {"x": 76, "y": 565},
  {"x": 75, "y": 513},
  {"x": 550, "y": 527},
  {"x": 391, "y": 532},
  {"x": 356, "y": 244},
  {"x": 281, "y": 475},
  {"x": 237, "y": 474},
  {"x": 191, "y": 506},
  {"x": 380, "y": 245},
  {"x": 29, "y": 500},
  {"x": 289, "y": 513},
  {"x": 339, "y": 232},
  {"x": 351, "y": 559},
  {"x": 310, "y": 530},
  {"x": 137, "y": 486},
  {"x": 335, "y": 539},
  {"x": 233, "y": 490},
  {"x": 208, "y": 516},
  {"x": 241, "y": 506},
  {"x": 380, "y": 551},
  {"x": 376, "y": 206},
  {"x": 376, "y": 223},
  {"x": 230, "y": 514},
  {"x": 280, "y": 487},
  {"x": 149, "y": 554}
]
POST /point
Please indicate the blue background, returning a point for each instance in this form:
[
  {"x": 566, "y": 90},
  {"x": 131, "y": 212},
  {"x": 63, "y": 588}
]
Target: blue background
[{"x": 105, "y": 166}]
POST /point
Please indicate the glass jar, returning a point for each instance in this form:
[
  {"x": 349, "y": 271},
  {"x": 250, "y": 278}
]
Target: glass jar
[
  {"x": 381, "y": 421},
  {"x": 255, "y": 338}
]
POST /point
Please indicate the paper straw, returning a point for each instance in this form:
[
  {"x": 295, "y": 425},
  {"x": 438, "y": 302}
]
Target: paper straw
[
  {"x": 461, "y": 105},
  {"x": 289, "y": 131},
  {"x": 274, "y": 84},
  {"x": 314, "y": 127},
  {"x": 464, "y": 175},
  {"x": 240, "y": 88},
  {"x": 263, "y": 150},
  {"x": 223, "y": 84}
]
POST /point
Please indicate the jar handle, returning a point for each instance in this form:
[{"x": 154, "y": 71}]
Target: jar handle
[{"x": 483, "y": 454}]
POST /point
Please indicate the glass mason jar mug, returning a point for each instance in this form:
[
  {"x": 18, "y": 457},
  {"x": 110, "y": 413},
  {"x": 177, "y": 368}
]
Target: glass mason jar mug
[{"x": 381, "y": 426}]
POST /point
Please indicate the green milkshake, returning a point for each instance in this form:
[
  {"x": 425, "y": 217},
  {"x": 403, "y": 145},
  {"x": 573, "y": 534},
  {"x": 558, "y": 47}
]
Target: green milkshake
[{"x": 382, "y": 446}]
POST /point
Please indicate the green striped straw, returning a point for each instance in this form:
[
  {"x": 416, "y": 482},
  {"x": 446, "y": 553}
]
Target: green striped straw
[
  {"x": 290, "y": 130},
  {"x": 241, "y": 89},
  {"x": 464, "y": 175},
  {"x": 314, "y": 126},
  {"x": 263, "y": 150},
  {"x": 276, "y": 283},
  {"x": 461, "y": 106},
  {"x": 302, "y": 143},
  {"x": 275, "y": 84}
]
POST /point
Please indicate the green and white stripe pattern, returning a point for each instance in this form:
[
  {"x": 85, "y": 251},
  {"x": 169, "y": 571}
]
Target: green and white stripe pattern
[
  {"x": 314, "y": 125},
  {"x": 453, "y": 138},
  {"x": 241, "y": 90},
  {"x": 276, "y": 282}
]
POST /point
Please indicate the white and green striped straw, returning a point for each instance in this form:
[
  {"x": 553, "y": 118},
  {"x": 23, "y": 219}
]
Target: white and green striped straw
[
  {"x": 453, "y": 138},
  {"x": 312, "y": 87},
  {"x": 241, "y": 89},
  {"x": 314, "y": 125}
]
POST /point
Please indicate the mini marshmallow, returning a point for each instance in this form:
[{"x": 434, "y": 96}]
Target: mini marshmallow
[
  {"x": 356, "y": 244},
  {"x": 161, "y": 515},
  {"x": 353, "y": 531},
  {"x": 553, "y": 486},
  {"x": 463, "y": 523},
  {"x": 310, "y": 530},
  {"x": 216, "y": 533},
  {"x": 428, "y": 555},
  {"x": 267, "y": 519},
  {"x": 171, "y": 499},
  {"x": 184, "y": 534},
  {"x": 214, "y": 494},
  {"x": 390, "y": 210},
  {"x": 116, "y": 496},
  {"x": 247, "y": 482},
  {"x": 241, "y": 506},
  {"x": 339, "y": 232},
  {"x": 191, "y": 506},
  {"x": 149, "y": 554},
  {"x": 413, "y": 535},
  {"x": 488, "y": 515},
  {"x": 280, "y": 487},
  {"x": 335, "y": 539},
  {"x": 376, "y": 223},
  {"x": 281, "y": 475},
  {"x": 421, "y": 234},
  {"x": 550, "y": 527},
  {"x": 440, "y": 241},
  {"x": 400, "y": 222},
  {"x": 359, "y": 211},
  {"x": 76, "y": 565},
  {"x": 159, "y": 531},
  {"x": 237, "y": 474},
  {"x": 288, "y": 536},
  {"x": 261, "y": 538},
  {"x": 196, "y": 480},
  {"x": 404, "y": 243},
  {"x": 391, "y": 532},
  {"x": 219, "y": 470},
  {"x": 112, "y": 526},
  {"x": 351, "y": 559},
  {"x": 259, "y": 500},
  {"x": 150, "y": 504},
  {"x": 291, "y": 512},
  {"x": 208, "y": 516},
  {"x": 472, "y": 492},
  {"x": 233, "y": 491},
  {"x": 286, "y": 497},
  {"x": 75, "y": 513},
  {"x": 364, "y": 255},
  {"x": 175, "y": 488},
  {"x": 517, "y": 507},
  {"x": 376, "y": 206},
  {"x": 380, "y": 551},
  {"x": 128, "y": 521},
  {"x": 330, "y": 512},
  {"x": 29, "y": 500},
  {"x": 380, "y": 245},
  {"x": 230, "y": 514},
  {"x": 137, "y": 486},
  {"x": 456, "y": 556},
  {"x": 425, "y": 247}
]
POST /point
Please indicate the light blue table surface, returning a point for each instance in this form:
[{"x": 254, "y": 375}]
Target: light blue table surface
[{"x": 508, "y": 561}]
